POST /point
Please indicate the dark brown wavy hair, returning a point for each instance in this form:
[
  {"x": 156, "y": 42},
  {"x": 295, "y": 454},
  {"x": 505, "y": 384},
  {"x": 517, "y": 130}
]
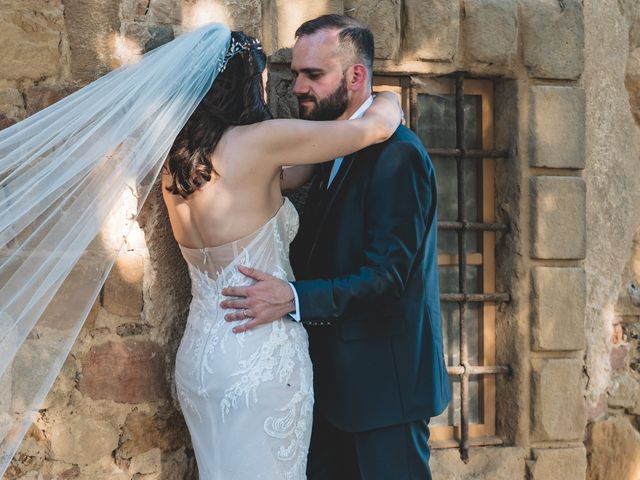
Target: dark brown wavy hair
[{"x": 235, "y": 98}]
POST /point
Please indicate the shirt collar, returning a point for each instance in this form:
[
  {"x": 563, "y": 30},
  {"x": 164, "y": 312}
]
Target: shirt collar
[{"x": 363, "y": 108}]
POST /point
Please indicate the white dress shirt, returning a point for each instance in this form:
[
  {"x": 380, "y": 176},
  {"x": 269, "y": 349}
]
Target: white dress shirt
[{"x": 334, "y": 171}]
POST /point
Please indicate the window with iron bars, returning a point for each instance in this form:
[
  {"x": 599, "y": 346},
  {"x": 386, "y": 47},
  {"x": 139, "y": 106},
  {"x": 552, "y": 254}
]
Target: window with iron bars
[{"x": 453, "y": 116}]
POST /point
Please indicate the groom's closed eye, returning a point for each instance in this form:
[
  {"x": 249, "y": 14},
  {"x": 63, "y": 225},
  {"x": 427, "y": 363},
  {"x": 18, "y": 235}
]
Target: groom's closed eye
[{"x": 311, "y": 73}]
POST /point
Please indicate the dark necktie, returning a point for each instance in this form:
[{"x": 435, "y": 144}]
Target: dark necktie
[{"x": 325, "y": 173}]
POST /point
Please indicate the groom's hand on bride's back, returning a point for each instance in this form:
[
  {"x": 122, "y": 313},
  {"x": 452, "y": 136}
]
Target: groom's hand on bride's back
[{"x": 267, "y": 300}]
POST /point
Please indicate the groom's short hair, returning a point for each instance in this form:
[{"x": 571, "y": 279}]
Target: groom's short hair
[{"x": 353, "y": 35}]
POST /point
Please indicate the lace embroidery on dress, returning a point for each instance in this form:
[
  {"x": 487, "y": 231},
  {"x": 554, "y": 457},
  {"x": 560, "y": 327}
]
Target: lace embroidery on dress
[
  {"x": 207, "y": 330},
  {"x": 272, "y": 360},
  {"x": 186, "y": 400},
  {"x": 293, "y": 424},
  {"x": 234, "y": 371}
]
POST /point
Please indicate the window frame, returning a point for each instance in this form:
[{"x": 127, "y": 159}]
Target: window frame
[{"x": 410, "y": 87}]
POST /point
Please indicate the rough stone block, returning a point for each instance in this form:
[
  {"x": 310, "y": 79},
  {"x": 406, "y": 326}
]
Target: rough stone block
[
  {"x": 127, "y": 372},
  {"x": 158, "y": 35},
  {"x": 283, "y": 18},
  {"x": 623, "y": 390},
  {"x": 30, "y": 29},
  {"x": 559, "y": 299},
  {"x": 178, "y": 463},
  {"x": 106, "y": 471},
  {"x": 491, "y": 30},
  {"x": 558, "y": 407},
  {"x": 142, "y": 432},
  {"x": 74, "y": 440},
  {"x": 135, "y": 9},
  {"x": 142, "y": 38},
  {"x": 11, "y": 103},
  {"x": 564, "y": 463},
  {"x": 122, "y": 292},
  {"x": 553, "y": 38},
  {"x": 598, "y": 410},
  {"x": 146, "y": 463},
  {"x": 106, "y": 321},
  {"x": 614, "y": 450},
  {"x": 92, "y": 29},
  {"x": 245, "y": 15},
  {"x": 383, "y": 19},
  {"x": 490, "y": 463},
  {"x": 65, "y": 383},
  {"x": 32, "y": 456},
  {"x": 618, "y": 357},
  {"x": 557, "y": 127},
  {"x": 40, "y": 97},
  {"x": 164, "y": 11},
  {"x": 282, "y": 102},
  {"x": 558, "y": 217},
  {"x": 6, "y": 122},
  {"x": 432, "y": 29}
]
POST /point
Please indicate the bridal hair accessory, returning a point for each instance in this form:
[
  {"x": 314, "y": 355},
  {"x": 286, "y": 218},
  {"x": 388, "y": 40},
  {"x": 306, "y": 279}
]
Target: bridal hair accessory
[
  {"x": 73, "y": 177},
  {"x": 239, "y": 43}
]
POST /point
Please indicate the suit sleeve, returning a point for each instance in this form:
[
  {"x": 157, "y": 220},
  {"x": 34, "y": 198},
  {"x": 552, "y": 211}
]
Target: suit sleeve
[{"x": 400, "y": 207}]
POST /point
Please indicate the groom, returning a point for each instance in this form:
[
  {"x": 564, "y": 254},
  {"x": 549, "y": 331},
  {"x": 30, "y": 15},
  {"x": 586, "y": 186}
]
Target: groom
[{"x": 367, "y": 289}]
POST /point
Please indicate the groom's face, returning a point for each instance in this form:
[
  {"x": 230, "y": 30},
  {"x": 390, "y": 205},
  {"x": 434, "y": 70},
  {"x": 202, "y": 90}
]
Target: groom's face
[{"x": 320, "y": 85}]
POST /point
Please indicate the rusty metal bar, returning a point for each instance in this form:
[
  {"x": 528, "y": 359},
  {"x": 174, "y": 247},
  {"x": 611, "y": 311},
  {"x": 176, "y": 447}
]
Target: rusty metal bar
[
  {"x": 475, "y": 297},
  {"x": 474, "y": 226},
  {"x": 413, "y": 110},
  {"x": 479, "y": 370},
  {"x": 460, "y": 152},
  {"x": 462, "y": 271}
]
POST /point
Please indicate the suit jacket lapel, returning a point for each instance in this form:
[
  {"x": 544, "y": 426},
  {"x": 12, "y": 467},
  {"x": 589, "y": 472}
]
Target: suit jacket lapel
[
  {"x": 337, "y": 184},
  {"x": 332, "y": 193}
]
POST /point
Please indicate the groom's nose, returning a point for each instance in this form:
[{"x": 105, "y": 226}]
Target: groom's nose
[{"x": 300, "y": 86}]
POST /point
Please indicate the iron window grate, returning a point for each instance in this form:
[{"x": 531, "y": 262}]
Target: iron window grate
[{"x": 462, "y": 226}]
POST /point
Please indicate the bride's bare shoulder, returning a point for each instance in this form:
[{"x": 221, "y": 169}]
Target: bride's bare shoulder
[
  {"x": 254, "y": 131},
  {"x": 245, "y": 144}
]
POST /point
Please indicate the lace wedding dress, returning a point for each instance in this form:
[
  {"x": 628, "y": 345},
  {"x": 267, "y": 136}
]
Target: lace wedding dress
[{"x": 247, "y": 398}]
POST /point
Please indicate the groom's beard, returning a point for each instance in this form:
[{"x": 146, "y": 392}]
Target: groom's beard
[{"x": 328, "y": 108}]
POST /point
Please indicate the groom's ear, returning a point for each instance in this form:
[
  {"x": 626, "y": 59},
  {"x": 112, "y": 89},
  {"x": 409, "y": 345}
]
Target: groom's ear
[{"x": 357, "y": 77}]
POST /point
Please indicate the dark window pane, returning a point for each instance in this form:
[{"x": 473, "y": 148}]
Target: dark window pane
[
  {"x": 437, "y": 129},
  {"x": 449, "y": 279},
  {"x": 448, "y": 242},
  {"x": 437, "y": 121}
]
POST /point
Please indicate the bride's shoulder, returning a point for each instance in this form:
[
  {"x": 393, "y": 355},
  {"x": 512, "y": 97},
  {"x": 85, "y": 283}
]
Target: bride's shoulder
[
  {"x": 241, "y": 147},
  {"x": 255, "y": 140}
]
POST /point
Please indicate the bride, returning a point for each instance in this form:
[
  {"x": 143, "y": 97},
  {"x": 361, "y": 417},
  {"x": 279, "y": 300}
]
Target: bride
[
  {"x": 192, "y": 110},
  {"x": 247, "y": 398}
]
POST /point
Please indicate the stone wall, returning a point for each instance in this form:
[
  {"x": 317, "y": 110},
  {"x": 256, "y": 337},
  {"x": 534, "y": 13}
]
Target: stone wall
[
  {"x": 613, "y": 322},
  {"x": 567, "y": 88}
]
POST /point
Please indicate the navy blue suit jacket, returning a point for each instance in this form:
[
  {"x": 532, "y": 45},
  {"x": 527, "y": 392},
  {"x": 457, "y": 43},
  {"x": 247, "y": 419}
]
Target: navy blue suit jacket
[{"x": 366, "y": 261}]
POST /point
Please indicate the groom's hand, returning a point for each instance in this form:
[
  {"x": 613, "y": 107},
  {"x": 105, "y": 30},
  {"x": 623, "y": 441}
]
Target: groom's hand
[{"x": 266, "y": 301}]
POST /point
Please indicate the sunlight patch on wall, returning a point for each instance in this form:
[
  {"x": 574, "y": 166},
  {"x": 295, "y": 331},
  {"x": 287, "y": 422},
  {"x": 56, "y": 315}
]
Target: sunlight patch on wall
[
  {"x": 120, "y": 225},
  {"x": 202, "y": 12},
  {"x": 126, "y": 50}
]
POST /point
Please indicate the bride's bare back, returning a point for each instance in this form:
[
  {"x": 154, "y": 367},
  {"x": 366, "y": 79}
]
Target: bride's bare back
[{"x": 236, "y": 202}]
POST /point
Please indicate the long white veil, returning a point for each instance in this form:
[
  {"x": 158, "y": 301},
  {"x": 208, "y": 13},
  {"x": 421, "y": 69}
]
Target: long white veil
[{"x": 65, "y": 173}]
